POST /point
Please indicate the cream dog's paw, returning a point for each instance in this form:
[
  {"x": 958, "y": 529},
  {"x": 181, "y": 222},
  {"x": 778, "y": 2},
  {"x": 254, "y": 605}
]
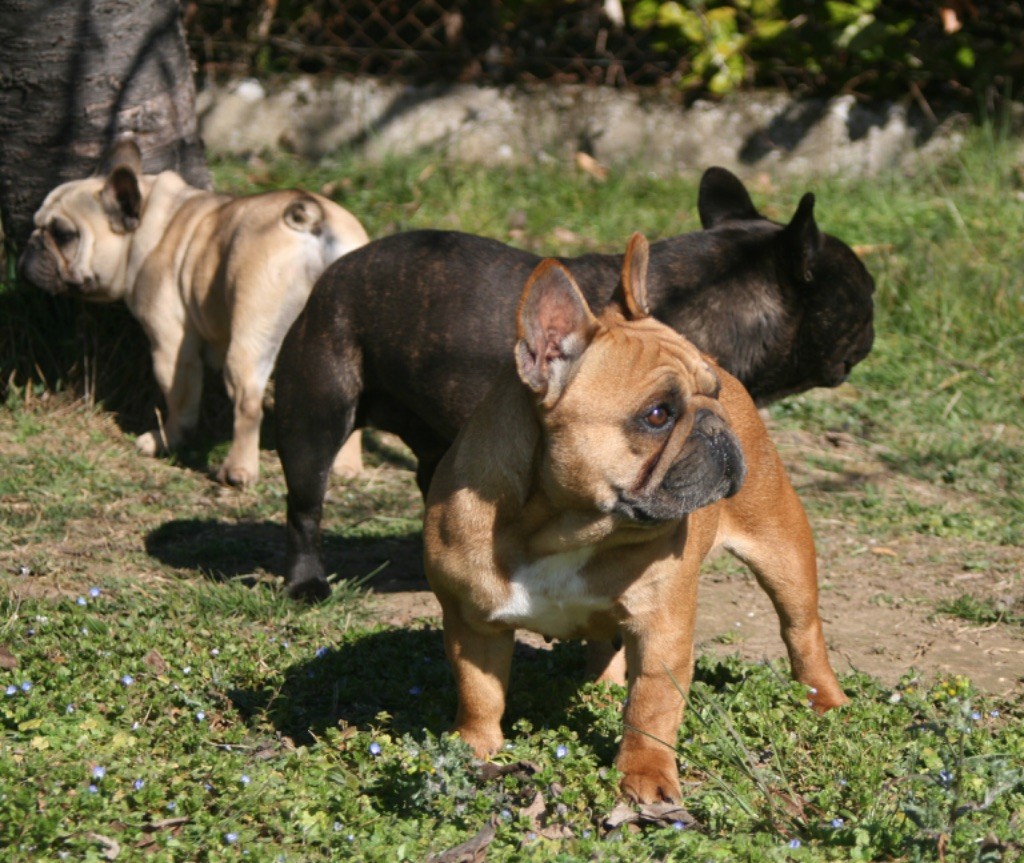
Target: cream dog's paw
[
  {"x": 150, "y": 444},
  {"x": 235, "y": 475}
]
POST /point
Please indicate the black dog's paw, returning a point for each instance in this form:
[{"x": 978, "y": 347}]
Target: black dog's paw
[{"x": 311, "y": 590}]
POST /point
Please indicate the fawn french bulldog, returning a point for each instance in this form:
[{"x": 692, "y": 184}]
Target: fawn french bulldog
[
  {"x": 581, "y": 497},
  {"x": 207, "y": 275}
]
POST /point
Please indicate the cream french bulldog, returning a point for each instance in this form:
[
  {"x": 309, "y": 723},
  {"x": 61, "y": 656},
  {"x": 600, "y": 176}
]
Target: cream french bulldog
[
  {"x": 581, "y": 498},
  {"x": 207, "y": 275}
]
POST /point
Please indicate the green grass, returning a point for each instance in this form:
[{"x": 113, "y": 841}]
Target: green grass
[
  {"x": 180, "y": 717},
  {"x": 184, "y": 710}
]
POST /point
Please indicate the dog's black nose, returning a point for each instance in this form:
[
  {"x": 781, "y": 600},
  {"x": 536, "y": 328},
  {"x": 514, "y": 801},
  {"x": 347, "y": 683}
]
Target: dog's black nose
[{"x": 723, "y": 452}]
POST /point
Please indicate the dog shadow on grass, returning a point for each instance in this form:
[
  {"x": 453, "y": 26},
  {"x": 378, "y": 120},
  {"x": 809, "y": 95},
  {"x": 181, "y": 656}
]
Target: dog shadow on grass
[
  {"x": 399, "y": 679},
  {"x": 254, "y": 552}
]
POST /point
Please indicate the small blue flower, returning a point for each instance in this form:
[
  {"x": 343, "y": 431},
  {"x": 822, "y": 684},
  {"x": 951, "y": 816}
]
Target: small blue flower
[
  {"x": 837, "y": 823},
  {"x": 81, "y": 600},
  {"x": 561, "y": 751},
  {"x": 506, "y": 815},
  {"x": 245, "y": 780},
  {"x": 200, "y": 715},
  {"x": 12, "y": 689},
  {"x": 794, "y": 843},
  {"x": 172, "y": 806},
  {"x": 994, "y": 714},
  {"x": 26, "y": 686},
  {"x": 139, "y": 784},
  {"x": 945, "y": 777},
  {"x": 231, "y": 838},
  {"x": 678, "y": 825},
  {"x": 93, "y": 789},
  {"x": 99, "y": 772},
  {"x": 321, "y": 652},
  {"x": 976, "y": 715},
  {"x": 70, "y": 708},
  {"x": 215, "y": 652},
  {"x": 94, "y": 592},
  {"x": 127, "y": 679},
  {"x": 375, "y": 748},
  {"x": 187, "y": 670}
]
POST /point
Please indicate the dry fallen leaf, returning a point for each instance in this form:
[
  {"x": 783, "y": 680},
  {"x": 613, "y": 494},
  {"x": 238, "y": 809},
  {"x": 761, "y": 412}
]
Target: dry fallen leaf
[
  {"x": 587, "y": 163},
  {"x": 471, "y": 851},
  {"x": 665, "y": 814},
  {"x": 111, "y": 847},
  {"x": 8, "y": 660},
  {"x": 156, "y": 663}
]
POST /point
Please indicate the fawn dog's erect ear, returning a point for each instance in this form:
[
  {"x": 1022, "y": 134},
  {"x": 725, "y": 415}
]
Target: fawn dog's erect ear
[
  {"x": 631, "y": 293},
  {"x": 554, "y": 326}
]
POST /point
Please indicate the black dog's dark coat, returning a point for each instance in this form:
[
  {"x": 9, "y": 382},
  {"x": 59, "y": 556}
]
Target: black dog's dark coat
[{"x": 407, "y": 333}]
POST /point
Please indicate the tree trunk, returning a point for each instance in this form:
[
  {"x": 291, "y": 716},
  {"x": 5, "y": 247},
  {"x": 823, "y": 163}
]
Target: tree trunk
[{"x": 76, "y": 75}]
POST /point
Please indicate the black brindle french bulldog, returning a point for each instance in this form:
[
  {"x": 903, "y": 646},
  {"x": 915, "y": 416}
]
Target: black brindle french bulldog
[{"x": 408, "y": 333}]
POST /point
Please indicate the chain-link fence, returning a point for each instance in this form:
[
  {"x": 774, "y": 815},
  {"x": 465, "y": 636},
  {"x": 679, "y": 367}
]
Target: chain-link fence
[{"x": 587, "y": 41}]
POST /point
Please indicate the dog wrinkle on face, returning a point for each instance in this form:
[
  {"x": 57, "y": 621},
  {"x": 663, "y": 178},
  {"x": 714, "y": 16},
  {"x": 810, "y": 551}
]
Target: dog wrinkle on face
[{"x": 597, "y": 413}]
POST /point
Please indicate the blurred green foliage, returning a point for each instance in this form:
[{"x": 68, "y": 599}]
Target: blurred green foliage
[{"x": 944, "y": 50}]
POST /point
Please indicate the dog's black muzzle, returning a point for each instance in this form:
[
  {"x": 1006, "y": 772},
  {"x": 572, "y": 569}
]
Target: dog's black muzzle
[
  {"x": 38, "y": 267},
  {"x": 710, "y": 466}
]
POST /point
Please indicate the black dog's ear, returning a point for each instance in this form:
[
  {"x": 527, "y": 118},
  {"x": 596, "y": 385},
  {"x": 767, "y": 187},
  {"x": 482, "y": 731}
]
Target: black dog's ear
[
  {"x": 723, "y": 197},
  {"x": 802, "y": 241},
  {"x": 554, "y": 325},
  {"x": 122, "y": 199}
]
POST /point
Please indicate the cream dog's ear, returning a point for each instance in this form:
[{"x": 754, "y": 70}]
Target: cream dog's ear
[
  {"x": 122, "y": 196},
  {"x": 555, "y": 325}
]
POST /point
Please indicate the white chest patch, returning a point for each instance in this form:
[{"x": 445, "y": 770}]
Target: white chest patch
[{"x": 551, "y": 597}]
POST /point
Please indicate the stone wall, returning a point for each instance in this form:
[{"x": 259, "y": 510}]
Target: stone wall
[{"x": 748, "y": 133}]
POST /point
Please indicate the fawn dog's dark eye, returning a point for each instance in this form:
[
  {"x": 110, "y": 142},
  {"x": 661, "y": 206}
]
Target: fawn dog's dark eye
[{"x": 659, "y": 417}]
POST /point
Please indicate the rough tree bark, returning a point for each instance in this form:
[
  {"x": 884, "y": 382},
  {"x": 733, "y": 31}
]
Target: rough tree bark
[{"x": 75, "y": 74}]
